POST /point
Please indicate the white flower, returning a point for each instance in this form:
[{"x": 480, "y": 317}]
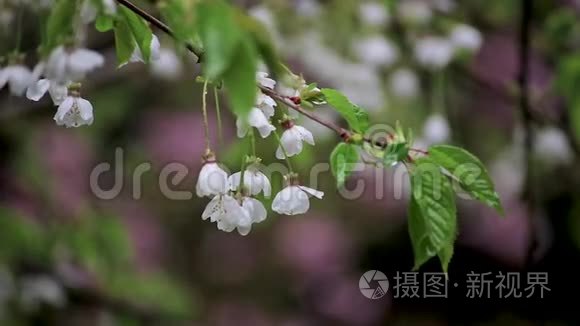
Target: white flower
[
  {"x": 414, "y": 11},
  {"x": 137, "y": 56},
  {"x": 373, "y": 13},
  {"x": 466, "y": 37},
  {"x": 404, "y": 83},
  {"x": 58, "y": 92},
  {"x": 74, "y": 112},
  {"x": 212, "y": 180},
  {"x": 254, "y": 181},
  {"x": 292, "y": 139},
  {"x": 256, "y": 118},
  {"x": 264, "y": 81},
  {"x": 168, "y": 67},
  {"x": 552, "y": 145},
  {"x": 376, "y": 51},
  {"x": 266, "y": 104},
  {"x": 433, "y": 52},
  {"x": 18, "y": 77},
  {"x": 38, "y": 290},
  {"x": 436, "y": 129},
  {"x": 294, "y": 200},
  {"x": 64, "y": 65},
  {"x": 230, "y": 214}
]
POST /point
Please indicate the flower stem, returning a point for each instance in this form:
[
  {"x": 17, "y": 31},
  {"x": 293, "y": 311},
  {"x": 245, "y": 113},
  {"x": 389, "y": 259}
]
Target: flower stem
[
  {"x": 284, "y": 151},
  {"x": 253, "y": 142},
  {"x": 218, "y": 116},
  {"x": 243, "y": 172},
  {"x": 205, "y": 120},
  {"x": 19, "y": 27}
]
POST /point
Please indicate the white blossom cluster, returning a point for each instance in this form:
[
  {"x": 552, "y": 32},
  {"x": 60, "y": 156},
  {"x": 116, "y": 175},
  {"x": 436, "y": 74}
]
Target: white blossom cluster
[
  {"x": 59, "y": 73},
  {"x": 233, "y": 204}
]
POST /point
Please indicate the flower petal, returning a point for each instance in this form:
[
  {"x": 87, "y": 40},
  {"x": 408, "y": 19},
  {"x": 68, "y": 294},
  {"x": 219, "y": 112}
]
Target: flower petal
[
  {"x": 305, "y": 135},
  {"x": 63, "y": 109},
  {"x": 312, "y": 192},
  {"x": 37, "y": 90}
]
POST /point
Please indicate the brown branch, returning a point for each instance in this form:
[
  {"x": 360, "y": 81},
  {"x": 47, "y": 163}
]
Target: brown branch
[{"x": 343, "y": 133}]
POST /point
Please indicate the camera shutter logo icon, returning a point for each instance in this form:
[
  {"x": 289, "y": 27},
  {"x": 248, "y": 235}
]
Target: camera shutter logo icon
[{"x": 373, "y": 284}]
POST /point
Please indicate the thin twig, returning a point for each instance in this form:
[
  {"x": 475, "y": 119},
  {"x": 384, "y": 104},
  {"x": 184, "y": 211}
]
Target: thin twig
[{"x": 343, "y": 133}]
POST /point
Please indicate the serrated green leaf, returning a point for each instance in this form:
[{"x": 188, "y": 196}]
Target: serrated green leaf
[
  {"x": 240, "y": 80},
  {"x": 357, "y": 118},
  {"x": 104, "y": 23},
  {"x": 140, "y": 30},
  {"x": 432, "y": 213},
  {"x": 445, "y": 255},
  {"x": 342, "y": 161},
  {"x": 220, "y": 36},
  {"x": 60, "y": 23},
  {"x": 124, "y": 43},
  {"x": 469, "y": 171}
]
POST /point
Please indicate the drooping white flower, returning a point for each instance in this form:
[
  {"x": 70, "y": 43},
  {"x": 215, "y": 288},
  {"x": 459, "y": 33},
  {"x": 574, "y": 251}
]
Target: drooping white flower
[
  {"x": 404, "y": 83},
  {"x": 434, "y": 52},
  {"x": 466, "y": 37},
  {"x": 254, "y": 181},
  {"x": 230, "y": 213},
  {"x": 168, "y": 67},
  {"x": 266, "y": 104},
  {"x": 414, "y": 11},
  {"x": 212, "y": 180},
  {"x": 373, "y": 13},
  {"x": 256, "y": 118},
  {"x": 64, "y": 65},
  {"x": 264, "y": 81},
  {"x": 58, "y": 92},
  {"x": 292, "y": 139},
  {"x": 436, "y": 129},
  {"x": 74, "y": 111},
  {"x": 552, "y": 145},
  {"x": 36, "y": 291},
  {"x": 376, "y": 51},
  {"x": 18, "y": 77},
  {"x": 294, "y": 200}
]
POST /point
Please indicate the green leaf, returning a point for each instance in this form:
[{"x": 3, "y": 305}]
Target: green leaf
[
  {"x": 469, "y": 171},
  {"x": 240, "y": 80},
  {"x": 445, "y": 255},
  {"x": 432, "y": 213},
  {"x": 60, "y": 23},
  {"x": 263, "y": 41},
  {"x": 124, "y": 43},
  {"x": 395, "y": 152},
  {"x": 179, "y": 15},
  {"x": 140, "y": 31},
  {"x": 104, "y": 23},
  {"x": 342, "y": 161},
  {"x": 357, "y": 118},
  {"x": 221, "y": 38}
]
